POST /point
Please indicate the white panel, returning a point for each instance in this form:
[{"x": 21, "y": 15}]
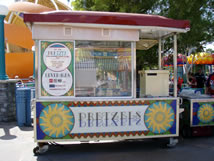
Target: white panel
[
  {"x": 57, "y": 32},
  {"x": 154, "y": 82},
  {"x": 107, "y": 119}
]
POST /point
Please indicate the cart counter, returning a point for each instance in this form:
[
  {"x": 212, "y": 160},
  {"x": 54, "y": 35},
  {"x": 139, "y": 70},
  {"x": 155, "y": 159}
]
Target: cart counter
[{"x": 106, "y": 120}]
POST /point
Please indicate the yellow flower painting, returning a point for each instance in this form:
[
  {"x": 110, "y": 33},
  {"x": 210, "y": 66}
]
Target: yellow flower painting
[
  {"x": 205, "y": 113},
  {"x": 159, "y": 117},
  {"x": 56, "y": 120}
]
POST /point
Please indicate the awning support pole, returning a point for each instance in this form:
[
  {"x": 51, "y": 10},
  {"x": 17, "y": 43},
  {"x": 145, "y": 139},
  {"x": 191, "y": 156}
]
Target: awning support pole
[
  {"x": 175, "y": 65},
  {"x": 159, "y": 53},
  {"x": 134, "y": 86}
]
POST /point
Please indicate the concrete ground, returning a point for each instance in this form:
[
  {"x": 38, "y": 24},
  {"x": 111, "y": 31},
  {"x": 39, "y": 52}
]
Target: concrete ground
[{"x": 16, "y": 144}]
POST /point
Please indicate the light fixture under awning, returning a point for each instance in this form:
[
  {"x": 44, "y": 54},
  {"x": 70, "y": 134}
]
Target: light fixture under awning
[{"x": 144, "y": 44}]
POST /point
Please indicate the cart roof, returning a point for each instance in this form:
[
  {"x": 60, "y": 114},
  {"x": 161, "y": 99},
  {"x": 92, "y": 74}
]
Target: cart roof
[
  {"x": 113, "y": 18},
  {"x": 150, "y": 26}
]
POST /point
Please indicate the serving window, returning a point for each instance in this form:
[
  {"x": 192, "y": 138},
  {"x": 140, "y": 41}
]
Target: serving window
[{"x": 103, "y": 69}]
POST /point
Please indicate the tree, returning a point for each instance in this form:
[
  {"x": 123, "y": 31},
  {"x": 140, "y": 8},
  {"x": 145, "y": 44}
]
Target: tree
[
  {"x": 210, "y": 50},
  {"x": 199, "y": 13},
  {"x": 201, "y": 17},
  {"x": 129, "y": 6}
]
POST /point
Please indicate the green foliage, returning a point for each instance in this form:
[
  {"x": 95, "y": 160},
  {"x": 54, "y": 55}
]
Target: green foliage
[
  {"x": 199, "y": 13},
  {"x": 201, "y": 17},
  {"x": 130, "y": 6},
  {"x": 147, "y": 59},
  {"x": 210, "y": 51}
]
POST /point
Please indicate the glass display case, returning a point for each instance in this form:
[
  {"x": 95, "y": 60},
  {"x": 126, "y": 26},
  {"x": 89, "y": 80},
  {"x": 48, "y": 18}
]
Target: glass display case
[{"x": 103, "y": 69}]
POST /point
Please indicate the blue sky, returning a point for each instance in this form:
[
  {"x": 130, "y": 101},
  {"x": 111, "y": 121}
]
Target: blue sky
[{"x": 210, "y": 46}]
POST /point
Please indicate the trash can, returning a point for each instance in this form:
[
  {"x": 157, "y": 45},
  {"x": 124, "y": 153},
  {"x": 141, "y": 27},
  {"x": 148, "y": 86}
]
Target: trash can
[{"x": 23, "y": 106}]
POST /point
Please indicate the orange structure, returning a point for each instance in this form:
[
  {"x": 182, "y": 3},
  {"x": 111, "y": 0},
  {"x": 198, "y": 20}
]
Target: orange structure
[
  {"x": 19, "y": 54},
  {"x": 201, "y": 58}
]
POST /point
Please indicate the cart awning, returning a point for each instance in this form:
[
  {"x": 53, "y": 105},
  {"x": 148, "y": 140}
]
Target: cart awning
[
  {"x": 149, "y": 26},
  {"x": 107, "y": 18}
]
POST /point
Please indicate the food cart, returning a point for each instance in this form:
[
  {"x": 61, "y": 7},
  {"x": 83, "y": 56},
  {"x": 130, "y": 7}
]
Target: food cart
[
  {"x": 86, "y": 77},
  {"x": 198, "y": 116}
]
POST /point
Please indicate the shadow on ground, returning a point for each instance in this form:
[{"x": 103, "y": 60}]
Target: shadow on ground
[
  {"x": 101, "y": 151},
  {"x": 6, "y": 130}
]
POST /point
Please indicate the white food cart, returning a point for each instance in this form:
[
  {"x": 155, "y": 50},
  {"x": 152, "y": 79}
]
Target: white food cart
[{"x": 86, "y": 77}]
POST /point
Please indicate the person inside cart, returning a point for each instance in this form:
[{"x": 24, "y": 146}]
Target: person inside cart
[
  {"x": 200, "y": 79},
  {"x": 179, "y": 85},
  {"x": 192, "y": 81},
  {"x": 210, "y": 84}
]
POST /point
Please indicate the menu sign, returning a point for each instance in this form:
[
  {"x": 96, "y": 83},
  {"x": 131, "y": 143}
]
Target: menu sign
[{"x": 57, "y": 68}]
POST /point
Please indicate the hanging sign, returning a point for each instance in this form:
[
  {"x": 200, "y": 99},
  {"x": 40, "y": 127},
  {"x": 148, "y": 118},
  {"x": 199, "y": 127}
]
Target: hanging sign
[{"x": 57, "y": 68}]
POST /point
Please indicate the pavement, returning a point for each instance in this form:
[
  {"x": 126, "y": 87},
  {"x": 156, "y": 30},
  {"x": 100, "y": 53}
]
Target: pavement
[{"x": 17, "y": 144}]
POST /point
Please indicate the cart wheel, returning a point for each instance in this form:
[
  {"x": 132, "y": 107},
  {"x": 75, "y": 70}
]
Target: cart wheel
[
  {"x": 172, "y": 143},
  {"x": 36, "y": 150},
  {"x": 40, "y": 149}
]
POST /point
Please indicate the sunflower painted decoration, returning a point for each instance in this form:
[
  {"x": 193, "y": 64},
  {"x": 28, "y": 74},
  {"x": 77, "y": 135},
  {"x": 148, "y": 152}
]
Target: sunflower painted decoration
[
  {"x": 159, "y": 117},
  {"x": 205, "y": 113},
  {"x": 56, "y": 120}
]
